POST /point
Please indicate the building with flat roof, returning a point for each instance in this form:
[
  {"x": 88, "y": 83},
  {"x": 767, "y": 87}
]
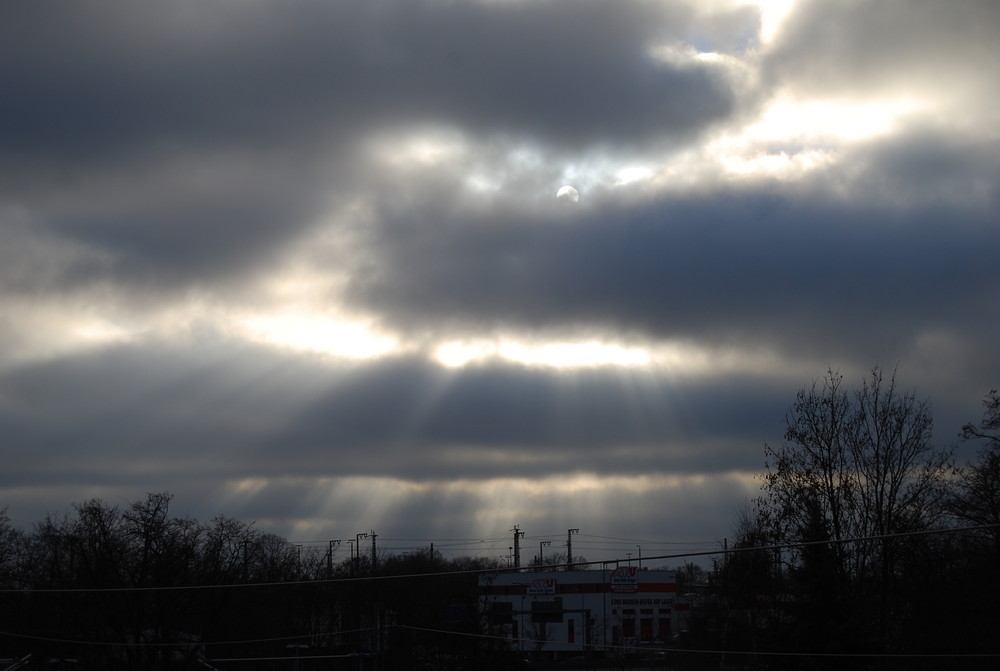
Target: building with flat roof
[{"x": 621, "y": 607}]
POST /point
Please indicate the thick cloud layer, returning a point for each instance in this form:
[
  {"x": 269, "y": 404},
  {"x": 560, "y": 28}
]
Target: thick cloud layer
[
  {"x": 305, "y": 263},
  {"x": 753, "y": 266}
]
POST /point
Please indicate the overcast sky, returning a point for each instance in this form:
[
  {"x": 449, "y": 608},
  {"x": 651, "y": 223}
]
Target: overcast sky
[{"x": 304, "y": 263}]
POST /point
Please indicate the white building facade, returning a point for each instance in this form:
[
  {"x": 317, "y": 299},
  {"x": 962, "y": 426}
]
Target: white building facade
[{"x": 580, "y": 611}]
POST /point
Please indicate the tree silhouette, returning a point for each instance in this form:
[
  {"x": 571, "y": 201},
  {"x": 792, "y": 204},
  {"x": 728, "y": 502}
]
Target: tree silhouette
[{"x": 856, "y": 466}]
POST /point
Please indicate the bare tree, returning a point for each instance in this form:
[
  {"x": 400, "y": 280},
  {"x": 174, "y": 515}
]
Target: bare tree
[
  {"x": 976, "y": 498},
  {"x": 11, "y": 549},
  {"x": 226, "y": 549},
  {"x": 989, "y": 426},
  {"x": 809, "y": 480},
  {"x": 856, "y": 466}
]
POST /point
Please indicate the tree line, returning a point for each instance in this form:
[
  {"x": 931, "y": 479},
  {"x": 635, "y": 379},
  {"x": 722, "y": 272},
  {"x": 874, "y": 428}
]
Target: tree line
[{"x": 134, "y": 587}]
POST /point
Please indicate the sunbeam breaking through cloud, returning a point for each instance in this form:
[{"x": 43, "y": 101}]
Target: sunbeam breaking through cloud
[{"x": 443, "y": 268}]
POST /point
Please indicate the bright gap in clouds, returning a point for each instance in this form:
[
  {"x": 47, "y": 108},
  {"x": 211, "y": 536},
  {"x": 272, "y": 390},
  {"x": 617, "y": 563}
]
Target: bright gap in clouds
[
  {"x": 772, "y": 14},
  {"x": 320, "y": 334},
  {"x": 671, "y": 358},
  {"x": 788, "y": 119},
  {"x": 793, "y": 137},
  {"x": 45, "y": 330},
  {"x": 555, "y": 355}
]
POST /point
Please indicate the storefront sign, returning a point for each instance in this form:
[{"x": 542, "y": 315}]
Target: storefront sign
[
  {"x": 624, "y": 579},
  {"x": 542, "y": 586}
]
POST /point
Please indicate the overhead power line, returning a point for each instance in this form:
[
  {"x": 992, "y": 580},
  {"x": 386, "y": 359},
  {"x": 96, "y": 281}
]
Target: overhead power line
[{"x": 617, "y": 560}]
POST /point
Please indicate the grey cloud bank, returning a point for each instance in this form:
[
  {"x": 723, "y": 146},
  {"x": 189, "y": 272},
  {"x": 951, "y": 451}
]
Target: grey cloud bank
[
  {"x": 250, "y": 406},
  {"x": 207, "y": 210}
]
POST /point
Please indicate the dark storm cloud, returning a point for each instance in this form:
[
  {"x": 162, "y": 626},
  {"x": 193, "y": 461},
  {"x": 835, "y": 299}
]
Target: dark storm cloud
[
  {"x": 103, "y": 82},
  {"x": 264, "y": 106},
  {"x": 927, "y": 165},
  {"x": 114, "y": 416},
  {"x": 750, "y": 265},
  {"x": 510, "y": 420},
  {"x": 225, "y": 238}
]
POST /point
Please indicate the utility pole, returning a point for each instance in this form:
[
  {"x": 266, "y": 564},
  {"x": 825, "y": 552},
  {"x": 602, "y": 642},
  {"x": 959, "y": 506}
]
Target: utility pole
[
  {"x": 357, "y": 546},
  {"x": 374, "y": 535},
  {"x": 640, "y": 556},
  {"x": 518, "y": 534},
  {"x": 329, "y": 558},
  {"x": 541, "y": 562},
  {"x": 569, "y": 548}
]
